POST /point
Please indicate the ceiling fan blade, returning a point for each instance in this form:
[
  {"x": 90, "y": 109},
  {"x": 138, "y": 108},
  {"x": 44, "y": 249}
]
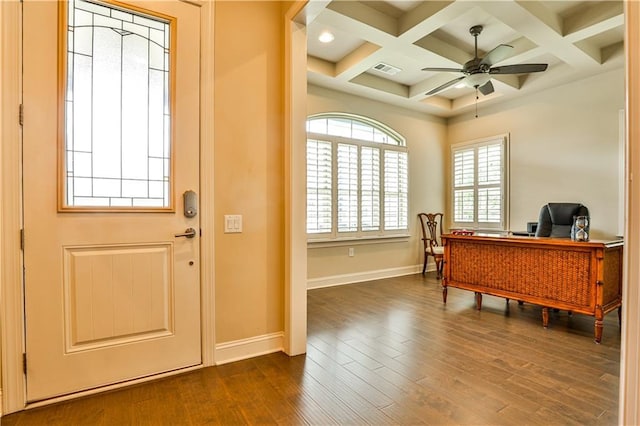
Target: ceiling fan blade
[
  {"x": 496, "y": 55},
  {"x": 486, "y": 89},
  {"x": 442, "y": 69},
  {"x": 518, "y": 69},
  {"x": 444, "y": 86}
]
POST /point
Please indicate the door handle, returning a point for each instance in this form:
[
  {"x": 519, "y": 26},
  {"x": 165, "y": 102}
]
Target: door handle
[{"x": 189, "y": 233}]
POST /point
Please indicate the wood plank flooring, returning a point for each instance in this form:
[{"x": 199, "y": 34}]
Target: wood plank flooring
[{"x": 389, "y": 352}]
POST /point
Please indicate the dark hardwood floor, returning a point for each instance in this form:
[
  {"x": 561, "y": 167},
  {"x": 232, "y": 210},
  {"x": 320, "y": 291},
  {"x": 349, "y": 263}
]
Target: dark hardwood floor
[{"x": 389, "y": 352}]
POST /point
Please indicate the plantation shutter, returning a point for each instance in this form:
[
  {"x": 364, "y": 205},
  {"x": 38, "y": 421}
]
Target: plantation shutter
[
  {"x": 396, "y": 190},
  {"x": 370, "y": 188},
  {"x": 347, "y": 188},
  {"x": 357, "y": 179},
  {"x": 464, "y": 179},
  {"x": 319, "y": 182},
  {"x": 489, "y": 183},
  {"x": 478, "y": 184}
]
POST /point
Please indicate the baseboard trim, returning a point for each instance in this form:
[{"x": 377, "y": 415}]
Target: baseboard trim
[
  {"x": 238, "y": 350},
  {"x": 335, "y": 280}
]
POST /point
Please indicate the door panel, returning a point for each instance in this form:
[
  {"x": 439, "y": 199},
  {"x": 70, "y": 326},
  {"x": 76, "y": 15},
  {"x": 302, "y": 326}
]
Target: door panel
[
  {"x": 117, "y": 294},
  {"x": 110, "y": 295}
]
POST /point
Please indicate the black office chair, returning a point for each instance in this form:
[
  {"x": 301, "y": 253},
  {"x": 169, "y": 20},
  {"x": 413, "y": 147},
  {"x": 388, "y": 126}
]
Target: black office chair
[{"x": 556, "y": 219}]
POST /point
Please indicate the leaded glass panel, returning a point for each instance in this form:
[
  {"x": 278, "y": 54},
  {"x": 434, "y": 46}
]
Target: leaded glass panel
[{"x": 117, "y": 108}]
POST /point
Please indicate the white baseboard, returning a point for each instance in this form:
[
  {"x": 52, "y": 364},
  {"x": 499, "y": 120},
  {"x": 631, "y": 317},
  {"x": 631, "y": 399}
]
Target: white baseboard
[
  {"x": 357, "y": 277},
  {"x": 248, "y": 348}
]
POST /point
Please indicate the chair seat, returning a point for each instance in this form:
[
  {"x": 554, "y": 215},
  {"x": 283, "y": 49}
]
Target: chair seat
[{"x": 436, "y": 250}]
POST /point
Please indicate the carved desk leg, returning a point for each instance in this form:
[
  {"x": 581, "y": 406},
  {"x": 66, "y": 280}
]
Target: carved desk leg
[
  {"x": 478, "y": 300},
  {"x": 545, "y": 317},
  {"x": 620, "y": 316},
  {"x": 599, "y": 323},
  {"x": 444, "y": 290},
  {"x": 598, "y": 330}
]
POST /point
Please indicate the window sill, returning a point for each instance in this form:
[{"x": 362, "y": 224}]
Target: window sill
[
  {"x": 480, "y": 230},
  {"x": 351, "y": 241}
]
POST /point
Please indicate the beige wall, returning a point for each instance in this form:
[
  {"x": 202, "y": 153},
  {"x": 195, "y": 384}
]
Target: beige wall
[
  {"x": 426, "y": 138},
  {"x": 249, "y": 267},
  {"x": 564, "y": 147}
]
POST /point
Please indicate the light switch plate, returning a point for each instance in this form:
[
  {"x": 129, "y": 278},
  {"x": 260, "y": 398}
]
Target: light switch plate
[{"x": 232, "y": 223}]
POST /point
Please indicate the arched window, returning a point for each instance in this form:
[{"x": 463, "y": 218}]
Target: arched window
[{"x": 357, "y": 178}]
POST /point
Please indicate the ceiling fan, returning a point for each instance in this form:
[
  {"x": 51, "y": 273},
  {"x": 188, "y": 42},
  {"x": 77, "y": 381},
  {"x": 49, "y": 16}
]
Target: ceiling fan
[{"x": 478, "y": 71}]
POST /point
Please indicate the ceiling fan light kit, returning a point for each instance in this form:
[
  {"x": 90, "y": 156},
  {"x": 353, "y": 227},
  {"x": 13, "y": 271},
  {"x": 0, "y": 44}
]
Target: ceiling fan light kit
[{"x": 477, "y": 80}]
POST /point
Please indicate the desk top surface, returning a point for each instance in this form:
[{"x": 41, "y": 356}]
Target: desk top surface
[{"x": 521, "y": 239}]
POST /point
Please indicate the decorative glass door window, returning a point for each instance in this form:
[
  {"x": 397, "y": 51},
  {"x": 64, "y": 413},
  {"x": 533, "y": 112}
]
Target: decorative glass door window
[{"x": 117, "y": 108}]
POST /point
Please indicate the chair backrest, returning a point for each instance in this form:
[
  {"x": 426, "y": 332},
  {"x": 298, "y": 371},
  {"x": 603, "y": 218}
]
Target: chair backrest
[
  {"x": 556, "y": 219},
  {"x": 431, "y": 228}
]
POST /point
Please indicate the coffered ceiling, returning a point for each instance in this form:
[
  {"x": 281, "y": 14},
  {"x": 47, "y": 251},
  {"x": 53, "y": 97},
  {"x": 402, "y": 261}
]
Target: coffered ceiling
[{"x": 577, "y": 39}]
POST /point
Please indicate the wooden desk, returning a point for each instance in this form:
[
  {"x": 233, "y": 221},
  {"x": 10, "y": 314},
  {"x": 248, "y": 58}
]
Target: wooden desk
[{"x": 582, "y": 277}]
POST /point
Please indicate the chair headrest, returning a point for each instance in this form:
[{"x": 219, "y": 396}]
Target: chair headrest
[{"x": 563, "y": 213}]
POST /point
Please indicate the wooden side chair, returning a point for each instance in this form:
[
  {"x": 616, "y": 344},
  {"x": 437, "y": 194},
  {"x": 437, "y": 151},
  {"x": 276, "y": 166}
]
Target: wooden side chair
[{"x": 431, "y": 232}]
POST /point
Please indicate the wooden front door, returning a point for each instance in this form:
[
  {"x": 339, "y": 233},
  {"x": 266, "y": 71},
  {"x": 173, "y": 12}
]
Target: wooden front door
[{"x": 110, "y": 145}]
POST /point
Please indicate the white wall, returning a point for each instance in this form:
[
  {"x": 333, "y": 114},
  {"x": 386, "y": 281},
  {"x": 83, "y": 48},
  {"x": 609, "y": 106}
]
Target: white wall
[
  {"x": 426, "y": 141},
  {"x": 564, "y": 147}
]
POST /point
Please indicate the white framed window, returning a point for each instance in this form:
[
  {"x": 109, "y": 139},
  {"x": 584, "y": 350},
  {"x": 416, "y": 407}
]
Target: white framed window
[
  {"x": 479, "y": 183},
  {"x": 357, "y": 178}
]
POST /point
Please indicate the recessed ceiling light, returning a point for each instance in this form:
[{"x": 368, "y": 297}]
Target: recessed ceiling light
[{"x": 326, "y": 37}]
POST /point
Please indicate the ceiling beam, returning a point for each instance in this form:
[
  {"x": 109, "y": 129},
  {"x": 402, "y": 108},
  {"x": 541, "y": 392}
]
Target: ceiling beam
[
  {"x": 369, "y": 16},
  {"x": 382, "y": 84},
  {"x": 455, "y": 55},
  {"x": 352, "y": 64},
  {"x": 531, "y": 19},
  {"x": 592, "y": 16},
  {"x": 320, "y": 66}
]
